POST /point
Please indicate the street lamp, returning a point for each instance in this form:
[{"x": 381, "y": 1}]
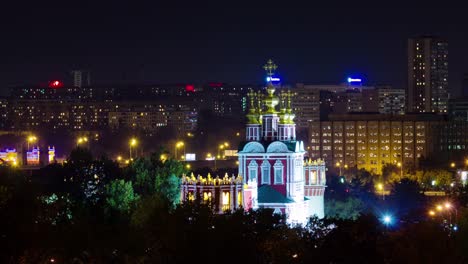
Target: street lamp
[
  {"x": 338, "y": 165},
  {"x": 31, "y": 139},
  {"x": 81, "y": 140},
  {"x": 452, "y": 165},
  {"x": 380, "y": 186},
  {"x": 132, "y": 144},
  {"x": 221, "y": 147},
  {"x": 401, "y": 169},
  {"x": 178, "y": 145}
]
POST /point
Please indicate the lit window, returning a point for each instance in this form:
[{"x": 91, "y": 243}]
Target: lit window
[
  {"x": 226, "y": 205},
  {"x": 253, "y": 169},
  {"x": 278, "y": 168},
  {"x": 265, "y": 172}
]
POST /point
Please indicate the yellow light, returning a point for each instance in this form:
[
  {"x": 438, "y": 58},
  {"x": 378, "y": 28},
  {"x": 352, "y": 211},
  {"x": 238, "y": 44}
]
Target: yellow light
[
  {"x": 380, "y": 186},
  {"x": 226, "y": 144},
  {"x": 439, "y": 207},
  {"x": 237, "y": 162},
  {"x": 221, "y": 146},
  {"x": 431, "y": 213},
  {"x": 237, "y": 134},
  {"x": 119, "y": 158},
  {"x": 447, "y": 205},
  {"x": 337, "y": 164},
  {"x": 127, "y": 161},
  {"x": 15, "y": 163},
  {"x": 346, "y": 166},
  {"x": 188, "y": 166},
  {"x": 452, "y": 164},
  {"x": 179, "y": 144},
  {"x": 32, "y": 138},
  {"x": 217, "y": 156},
  {"x": 133, "y": 142},
  {"x": 399, "y": 164},
  {"x": 208, "y": 155},
  {"x": 163, "y": 157}
]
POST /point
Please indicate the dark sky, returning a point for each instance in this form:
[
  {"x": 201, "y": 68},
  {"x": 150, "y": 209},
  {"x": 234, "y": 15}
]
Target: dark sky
[{"x": 152, "y": 43}]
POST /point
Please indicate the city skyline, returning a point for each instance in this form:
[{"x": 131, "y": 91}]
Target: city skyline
[{"x": 150, "y": 43}]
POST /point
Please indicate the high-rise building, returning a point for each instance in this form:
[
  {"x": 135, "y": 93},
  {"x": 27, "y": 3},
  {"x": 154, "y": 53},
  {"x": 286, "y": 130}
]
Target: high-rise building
[
  {"x": 427, "y": 89},
  {"x": 306, "y": 105},
  {"x": 391, "y": 101},
  {"x": 78, "y": 78}
]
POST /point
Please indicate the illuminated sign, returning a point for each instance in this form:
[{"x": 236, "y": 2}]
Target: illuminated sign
[
  {"x": 189, "y": 156},
  {"x": 32, "y": 157},
  {"x": 272, "y": 79},
  {"x": 51, "y": 154},
  {"x": 350, "y": 80}
]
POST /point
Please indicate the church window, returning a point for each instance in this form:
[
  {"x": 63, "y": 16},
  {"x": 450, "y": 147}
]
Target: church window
[
  {"x": 266, "y": 172},
  {"x": 253, "y": 170},
  {"x": 278, "y": 167}
]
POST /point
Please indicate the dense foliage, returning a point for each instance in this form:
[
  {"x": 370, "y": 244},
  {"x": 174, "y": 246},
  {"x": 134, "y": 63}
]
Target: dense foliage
[{"x": 93, "y": 211}]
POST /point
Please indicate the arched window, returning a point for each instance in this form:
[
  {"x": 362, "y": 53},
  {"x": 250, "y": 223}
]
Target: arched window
[
  {"x": 253, "y": 170},
  {"x": 266, "y": 172},
  {"x": 278, "y": 167},
  {"x": 313, "y": 177}
]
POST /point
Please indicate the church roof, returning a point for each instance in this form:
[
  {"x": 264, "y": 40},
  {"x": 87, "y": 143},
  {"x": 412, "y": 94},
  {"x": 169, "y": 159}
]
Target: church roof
[
  {"x": 291, "y": 144},
  {"x": 266, "y": 194}
]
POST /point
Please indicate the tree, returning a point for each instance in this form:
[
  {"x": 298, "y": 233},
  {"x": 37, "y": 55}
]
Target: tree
[
  {"x": 351, "y": 208},
  {"x": 153, "y": 176},
  {"x": 391, "y": 173},
  {"x": 406, "y": 196},
  {"x": 120, "y": 195}
]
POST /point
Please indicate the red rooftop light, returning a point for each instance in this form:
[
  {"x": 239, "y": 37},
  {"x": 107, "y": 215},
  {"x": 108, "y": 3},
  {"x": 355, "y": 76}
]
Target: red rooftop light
[{"x": 55, "y": 84}]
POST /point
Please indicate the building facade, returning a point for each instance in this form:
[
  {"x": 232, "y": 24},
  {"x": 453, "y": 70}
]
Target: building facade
[
  {"x": 369, "y": 141},
  {"x": 427, "y": 89},
  {"x": 225, "y": 194}
]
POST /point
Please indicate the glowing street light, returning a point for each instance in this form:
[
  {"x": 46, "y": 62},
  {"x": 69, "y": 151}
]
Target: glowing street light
[
  {"x": 132, "y": 144},
  {"x": 119, "y": 158},
  {"x": 380, "y": 187},
  {"x": 387, "y": 220},
  {"x": 178, "y": 145},
  {"x": 401, "y": 169},
  {"x": 432, "y": 213},
  {"x": 31, "y": 139},
  {"x": 81, "y": 140},
  {"x": 338, "y": 165},
  {"x": 452, "y": 165}
]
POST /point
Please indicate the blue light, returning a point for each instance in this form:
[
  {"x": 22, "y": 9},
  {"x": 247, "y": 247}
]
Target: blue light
[
  {"x": 273, "y": 79},
  {"x": 387, "y": 219},
  {"x": 455, "y": 228},
  {"x": 351, "y": 80}
]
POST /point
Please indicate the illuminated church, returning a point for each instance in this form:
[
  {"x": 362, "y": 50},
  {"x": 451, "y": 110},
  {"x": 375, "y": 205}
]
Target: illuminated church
[
  {"x": 272, "y": 171},
  {"x": 271, "y": 161}
]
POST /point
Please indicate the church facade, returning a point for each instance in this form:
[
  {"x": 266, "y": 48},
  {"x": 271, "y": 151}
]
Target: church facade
[{"x": 271, "y": 160}]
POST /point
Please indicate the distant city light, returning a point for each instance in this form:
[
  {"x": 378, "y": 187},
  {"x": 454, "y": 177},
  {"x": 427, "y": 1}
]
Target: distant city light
[
  {"x": 350, "y": 80},
  {"x": 189, "y": 88},
  {"x": 272, "y": 79},
  {"x": 55, "y": 84}
]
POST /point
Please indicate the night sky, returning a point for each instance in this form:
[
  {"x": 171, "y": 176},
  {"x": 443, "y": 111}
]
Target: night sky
[{"x": 153, "y": 43}]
